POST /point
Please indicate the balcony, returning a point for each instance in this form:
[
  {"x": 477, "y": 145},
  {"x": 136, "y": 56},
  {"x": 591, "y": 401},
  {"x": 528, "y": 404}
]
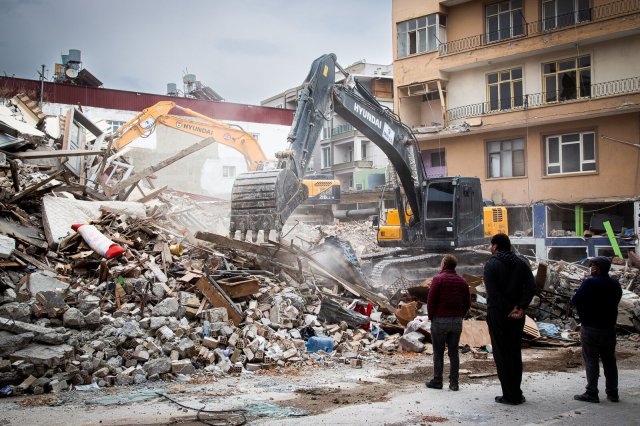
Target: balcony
[
  {"x": 536, "y": 100},
  {"x": 362, "y": 164},
  {"x": 545, "y": 26}
]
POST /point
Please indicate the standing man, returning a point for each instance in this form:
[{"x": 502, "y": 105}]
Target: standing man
[
  {"x": 510, "y": 287},
  {"x": 597, "y": 303},
  {"x": 448, "y": 302}
]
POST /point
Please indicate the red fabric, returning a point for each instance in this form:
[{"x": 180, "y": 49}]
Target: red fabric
[
  {"x": 364, "y": 310},
  {"x": 448, "y": 296}
]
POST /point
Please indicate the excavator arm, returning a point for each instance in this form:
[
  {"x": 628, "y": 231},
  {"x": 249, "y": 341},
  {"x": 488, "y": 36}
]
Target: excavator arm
[
  {"x": 261, "y": 202},
  {"x": 144, "y": 123}
]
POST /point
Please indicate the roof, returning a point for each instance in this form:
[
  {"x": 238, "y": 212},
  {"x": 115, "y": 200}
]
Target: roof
[{"x": 137, "y": 101}]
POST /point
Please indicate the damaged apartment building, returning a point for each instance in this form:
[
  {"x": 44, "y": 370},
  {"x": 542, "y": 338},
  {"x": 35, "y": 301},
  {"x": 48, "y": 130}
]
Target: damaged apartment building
[
  {"x": 538, "y": 98},
  {"x": 76, "y": 96}
]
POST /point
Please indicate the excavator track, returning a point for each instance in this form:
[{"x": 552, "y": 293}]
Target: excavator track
[
  {"x": 417, "y": 268},
  {"x": 262, "y": 201}
]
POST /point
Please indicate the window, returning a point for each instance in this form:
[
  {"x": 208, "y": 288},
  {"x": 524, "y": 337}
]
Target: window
[
  {"x": 506, "y": 158},
  {"x": 437, "y": 159},
  {"x": 326, "y": 157},
  {"x": 567, "y": 79},
  {"x": 440, "y": 200},
  {"x": 363, "y": 150},
  {"x": 504, "y": 20},
  {"x": 228, "y": 171},
  {"x": 114, "y": 125},
  {"x": 420, "y": 35},
  {"x": 350, "y": 154},
  {"x": 561, "y": 13},
  {"x": 570, "y": 153},
  {"x": 504, "y": 89}
]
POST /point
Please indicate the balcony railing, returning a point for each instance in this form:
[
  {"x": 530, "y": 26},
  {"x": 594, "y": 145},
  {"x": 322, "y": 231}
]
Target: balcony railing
[
  {"x": 352, "y": 164},
  {"x": 553, "y": 23},
  {"x": 598, "y": 90}
]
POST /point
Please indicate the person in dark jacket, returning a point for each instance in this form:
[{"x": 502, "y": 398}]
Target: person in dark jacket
[
  {"x": 597, "y": 303},
  {"x": 448, "y": 302},
  {"x": 510, "y": 287}
]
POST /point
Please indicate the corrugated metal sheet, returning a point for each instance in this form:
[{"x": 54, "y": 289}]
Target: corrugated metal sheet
[{"x": 134, "y": 101}]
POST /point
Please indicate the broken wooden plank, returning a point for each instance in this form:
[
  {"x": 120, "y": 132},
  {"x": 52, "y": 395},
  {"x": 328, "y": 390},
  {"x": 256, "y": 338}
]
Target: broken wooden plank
[
  {"x": 15, "y": 175},
  {"x": 150, "y": 196},
  {"x": 33, "y": 188},
  {"x": 267, "y": 251},
  {"x": 30, "y": 155},
  {"x": 240, "y": 286},
  {"x": 152, "y": 169},
  {"x": 475, "y": 334},
  {"x": 218, "y": 298}
]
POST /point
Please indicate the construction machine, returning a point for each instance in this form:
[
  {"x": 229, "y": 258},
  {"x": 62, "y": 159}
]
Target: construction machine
[
  {"x": 439, "y": 214},
  {"x": 323, "y": 192}
]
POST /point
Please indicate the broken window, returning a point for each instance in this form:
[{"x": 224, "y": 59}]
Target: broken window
[
  {"x": 420, "y": 35},
  {"x": 570, "y": 153},
  {"x": 562, "y": 13},
  {"x": 504, "y": 89},
  {"x": 228, "y": 171},
  {"x": 506, "y": 158},
  {"x": 504, "y": 20},
  {"x": 567, "y": 79}
]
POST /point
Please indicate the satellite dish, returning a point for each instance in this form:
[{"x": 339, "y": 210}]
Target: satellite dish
[{"x": 71, "y": 73}]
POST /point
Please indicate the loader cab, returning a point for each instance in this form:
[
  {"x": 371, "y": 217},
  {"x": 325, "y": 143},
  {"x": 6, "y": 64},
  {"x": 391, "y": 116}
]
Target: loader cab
[{"x": 453, "y": 215}]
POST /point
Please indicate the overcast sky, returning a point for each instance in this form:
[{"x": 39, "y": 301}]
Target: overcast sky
[{"x": 246, "y": 50}]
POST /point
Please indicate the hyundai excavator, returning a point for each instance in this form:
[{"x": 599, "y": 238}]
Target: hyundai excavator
[
  {"x": 323, "y": 192},
  {"x": 434, "y": 215}
]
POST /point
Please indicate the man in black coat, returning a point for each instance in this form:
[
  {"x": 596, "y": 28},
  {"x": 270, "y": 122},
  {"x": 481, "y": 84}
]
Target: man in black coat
[
  {"x": 597, "y": 303},
  {"x": 510, "y": 287}
]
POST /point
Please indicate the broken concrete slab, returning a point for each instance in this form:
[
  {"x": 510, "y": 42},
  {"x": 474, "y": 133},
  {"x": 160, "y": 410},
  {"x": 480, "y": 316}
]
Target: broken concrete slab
[
  {"x": 11, "y": 343},
  {"x": 16, "y": 311},
  {"x": 41, "y": 334},
  {"x": 58, "y": 214},
  {"x": 48, "y": 356},
  {"x": 412, "y": 342},
  {"x": 7, "y": 246},
  {"x": 182, "y": 366},
  {"x": 45, "y": 281}
]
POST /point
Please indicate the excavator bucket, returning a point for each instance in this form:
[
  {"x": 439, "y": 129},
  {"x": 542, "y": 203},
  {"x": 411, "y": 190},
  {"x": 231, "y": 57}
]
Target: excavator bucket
[{"x": 263, "y": 200}]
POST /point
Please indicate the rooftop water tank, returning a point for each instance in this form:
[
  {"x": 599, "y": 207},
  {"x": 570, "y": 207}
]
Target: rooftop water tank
[
  {"x": 172, "y": 89},
  {"x": 74, "y": 55},
  {"x": 189, "y": 79}
]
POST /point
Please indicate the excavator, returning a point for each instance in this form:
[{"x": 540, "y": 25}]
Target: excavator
[
  {"x": 323, "y": 192},
  {"x": 436, "y": 214}
]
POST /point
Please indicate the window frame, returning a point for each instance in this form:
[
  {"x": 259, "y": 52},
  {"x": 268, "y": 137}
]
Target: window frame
[
  {"x": 228, "y": 171},
  {"x": 559, "y": 70},
  {"x": 513, "y": 100},
  {"x": 578, "y": 15},
  {"x": 115, "y": 125},
  {"x": 582, "y": 161},
  {"x": 405, "y": 30},
  {"x": 504, "y": 141},
  {"x": 363, "y": 150},
  {"x": 325, "y": 157},
  {"x": 500, "y": 32}
]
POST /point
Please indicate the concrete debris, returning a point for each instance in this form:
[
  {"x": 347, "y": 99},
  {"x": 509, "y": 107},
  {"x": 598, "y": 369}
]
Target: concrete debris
[{"x": 179, "y": 302}]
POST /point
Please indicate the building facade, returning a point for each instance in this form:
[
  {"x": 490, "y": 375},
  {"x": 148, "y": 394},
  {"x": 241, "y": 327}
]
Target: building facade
[{"x": 540, "y": 99}]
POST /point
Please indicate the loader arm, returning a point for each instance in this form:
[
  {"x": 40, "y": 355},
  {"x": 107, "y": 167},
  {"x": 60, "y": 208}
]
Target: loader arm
[
  {"x": 144, "y": 123},
  {"x": 261, "y": 202}
]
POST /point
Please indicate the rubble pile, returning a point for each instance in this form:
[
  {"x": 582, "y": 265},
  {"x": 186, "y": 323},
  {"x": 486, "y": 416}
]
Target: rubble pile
[
  {"x": 551, "y": 303},
  {"x": 150, "y": 314}
]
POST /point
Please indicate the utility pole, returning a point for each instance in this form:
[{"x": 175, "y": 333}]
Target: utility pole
[{"x": 41, "y": 73}]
